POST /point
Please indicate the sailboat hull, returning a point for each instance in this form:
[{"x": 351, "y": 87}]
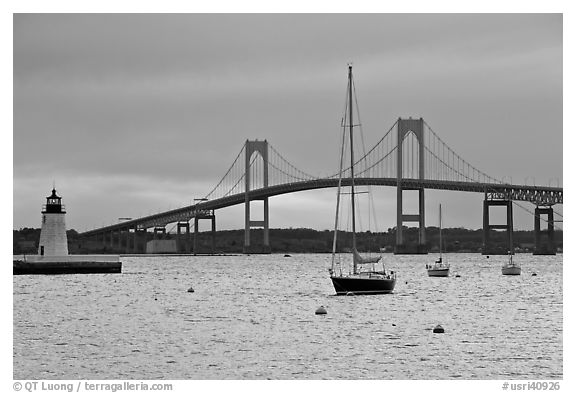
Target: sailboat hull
[
  {"x": 511, "y": 270},
  {"x": 355, "y": 285},
  {"x": 440, "y": 272}
]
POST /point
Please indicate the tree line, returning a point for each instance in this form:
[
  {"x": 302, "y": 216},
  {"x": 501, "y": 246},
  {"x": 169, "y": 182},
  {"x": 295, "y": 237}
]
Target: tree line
[{"x": 305, "y": 240}]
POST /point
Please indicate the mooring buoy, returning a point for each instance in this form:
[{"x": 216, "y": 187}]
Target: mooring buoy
[
  {"x": 321, "y": 311},
  {"x": 457, "y": 275},
  {"x": 438, "y": 329},
  {"x": 534, "y": 274},
  {"x": 287, "y": 255},
  {"x": 190, "y": 289}
]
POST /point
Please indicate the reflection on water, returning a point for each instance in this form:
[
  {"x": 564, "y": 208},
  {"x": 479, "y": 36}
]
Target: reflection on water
[{"x": 252, "y": 317}]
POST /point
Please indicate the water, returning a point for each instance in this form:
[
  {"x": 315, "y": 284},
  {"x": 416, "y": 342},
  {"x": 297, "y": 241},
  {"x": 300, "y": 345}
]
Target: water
[{"x": 252, "y": 317}]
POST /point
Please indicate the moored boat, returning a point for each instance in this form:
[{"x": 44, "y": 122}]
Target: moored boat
[
  {"x": 511, "y": 268},
  {"x": 358, "y": 282},
  {"x": 364, "y": 283},
  {"x": 439, "y": 268}
]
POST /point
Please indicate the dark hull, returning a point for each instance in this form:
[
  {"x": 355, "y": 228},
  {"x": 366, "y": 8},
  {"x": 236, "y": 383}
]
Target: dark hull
[
  {"x": 362, "y": 285},
  {"x": 511, "y": 270},
  {"x": 20, "y": 267}
]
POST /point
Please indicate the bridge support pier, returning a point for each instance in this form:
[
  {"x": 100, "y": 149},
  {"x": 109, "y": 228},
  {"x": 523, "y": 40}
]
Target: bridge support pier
[
  {"x": 116, "y": 240},
  {"x": 548, "y": 248},
  {"x": 488, "y": 248},
  {"x": 111, "y": 239},
  {"x": 127, "y": 241},
  {"x": 139, "y": 238},
  {"x": 120, "y": 236},
  {"x": 130, "y": 240},
  {"x": 207, "y": 216},
  {"x": 161, "y": 230},
  {"x": 135, "y": 240},
  {"x": 179, "y": 226},
  {"x": 102, "y": 239},
  {"x": 259, "y": 147},
  {"x": 416, "y": 127},
  {"x": 401, "y": 247}
]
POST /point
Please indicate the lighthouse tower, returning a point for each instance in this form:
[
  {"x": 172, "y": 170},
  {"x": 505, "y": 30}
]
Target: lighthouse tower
[{"x": 53, "y": 239}]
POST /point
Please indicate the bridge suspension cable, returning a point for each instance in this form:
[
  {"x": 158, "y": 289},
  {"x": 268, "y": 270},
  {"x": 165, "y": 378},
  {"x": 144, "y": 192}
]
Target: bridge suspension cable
[
  {"x": 277, "y": 161},
  {"x": 448, "y": 158},
  {"x": 212, "y": 193},
  {"x": 441, "y": 163},
  {"x": 461, "y": 163}
]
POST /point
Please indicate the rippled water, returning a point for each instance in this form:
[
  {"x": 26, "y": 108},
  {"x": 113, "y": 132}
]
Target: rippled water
[{"x": 252, "y": 317}]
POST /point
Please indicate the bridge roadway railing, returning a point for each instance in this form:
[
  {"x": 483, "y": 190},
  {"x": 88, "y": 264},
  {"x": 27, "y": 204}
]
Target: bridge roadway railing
[{"x": 541, "y": 196}]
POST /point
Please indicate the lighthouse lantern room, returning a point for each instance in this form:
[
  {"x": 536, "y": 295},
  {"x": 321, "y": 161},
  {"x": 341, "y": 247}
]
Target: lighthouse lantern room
[{"x": 53, "y": 239}]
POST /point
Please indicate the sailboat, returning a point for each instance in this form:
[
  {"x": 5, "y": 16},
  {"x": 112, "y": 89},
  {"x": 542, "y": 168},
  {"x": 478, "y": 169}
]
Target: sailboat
[
  {"x": 511, "y": 268},
  {"x": 359, "y": 281},
  {"x": 439, "y": 268}
]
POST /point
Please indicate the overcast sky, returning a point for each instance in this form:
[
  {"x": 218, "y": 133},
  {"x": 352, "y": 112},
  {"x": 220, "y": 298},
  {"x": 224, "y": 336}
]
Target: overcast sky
[{"x": 131, "y": 115}]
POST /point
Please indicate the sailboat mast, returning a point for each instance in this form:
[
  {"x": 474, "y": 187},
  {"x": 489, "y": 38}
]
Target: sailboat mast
[
  {"x": 338, "y": 198},
  {"x": 351, "y": 124},
  {"x": 510, "y": 231},
  {"x": 440, "y": 224}
]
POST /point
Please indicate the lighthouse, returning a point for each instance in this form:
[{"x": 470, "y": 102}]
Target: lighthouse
[
  {"x": 53, "y": 239},
  {"x": 53, "y": 255}
]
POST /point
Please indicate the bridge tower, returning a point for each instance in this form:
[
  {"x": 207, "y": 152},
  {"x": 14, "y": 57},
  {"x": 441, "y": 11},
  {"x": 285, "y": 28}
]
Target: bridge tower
[
  {"x": 497, "y": 200},
  {"x": 204, "y": 215},
  {"x": 258, "y": 147},
  {"x": 179, "y": 226},
  {"x": 549, "y": 248},
  {"x": 405, "y": 126}
]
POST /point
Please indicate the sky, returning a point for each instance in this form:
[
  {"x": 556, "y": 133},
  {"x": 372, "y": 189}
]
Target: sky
[{"x": 134, "y": 114}]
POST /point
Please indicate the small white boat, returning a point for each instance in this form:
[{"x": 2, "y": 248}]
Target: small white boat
[
  {"x": 511, "y": 268},
  {"x": 439, "y": 268}
]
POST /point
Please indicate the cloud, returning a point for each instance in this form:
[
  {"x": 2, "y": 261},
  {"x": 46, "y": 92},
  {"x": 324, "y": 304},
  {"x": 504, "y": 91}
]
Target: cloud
[{"x": 166, "y": 101}]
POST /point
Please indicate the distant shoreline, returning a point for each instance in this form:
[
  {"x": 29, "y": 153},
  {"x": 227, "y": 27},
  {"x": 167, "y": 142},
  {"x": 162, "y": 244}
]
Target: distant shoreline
[{"x": 295, "y": 240}]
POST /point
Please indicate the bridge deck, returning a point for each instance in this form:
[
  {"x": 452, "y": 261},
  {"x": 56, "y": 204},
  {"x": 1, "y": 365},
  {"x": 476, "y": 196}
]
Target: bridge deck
[{"x": 536, "y": 194}]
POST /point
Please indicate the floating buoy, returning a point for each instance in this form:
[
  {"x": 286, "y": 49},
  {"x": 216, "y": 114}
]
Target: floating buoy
[
  {"x": 457, "y": 275},
  {"x": 190, "y": 289},
  {"x": 321, "y": 311},
  {"x": 438, "y": 329},
  {"x": 287, "y": 255},
  {"x": 393, "y": 324},
  {"x": 349, "y": 293},
  {"x": 534, "y": 274}
]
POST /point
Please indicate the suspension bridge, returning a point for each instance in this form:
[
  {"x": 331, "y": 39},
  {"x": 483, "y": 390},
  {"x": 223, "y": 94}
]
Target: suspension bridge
[{"x": 411, "y": 156}]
